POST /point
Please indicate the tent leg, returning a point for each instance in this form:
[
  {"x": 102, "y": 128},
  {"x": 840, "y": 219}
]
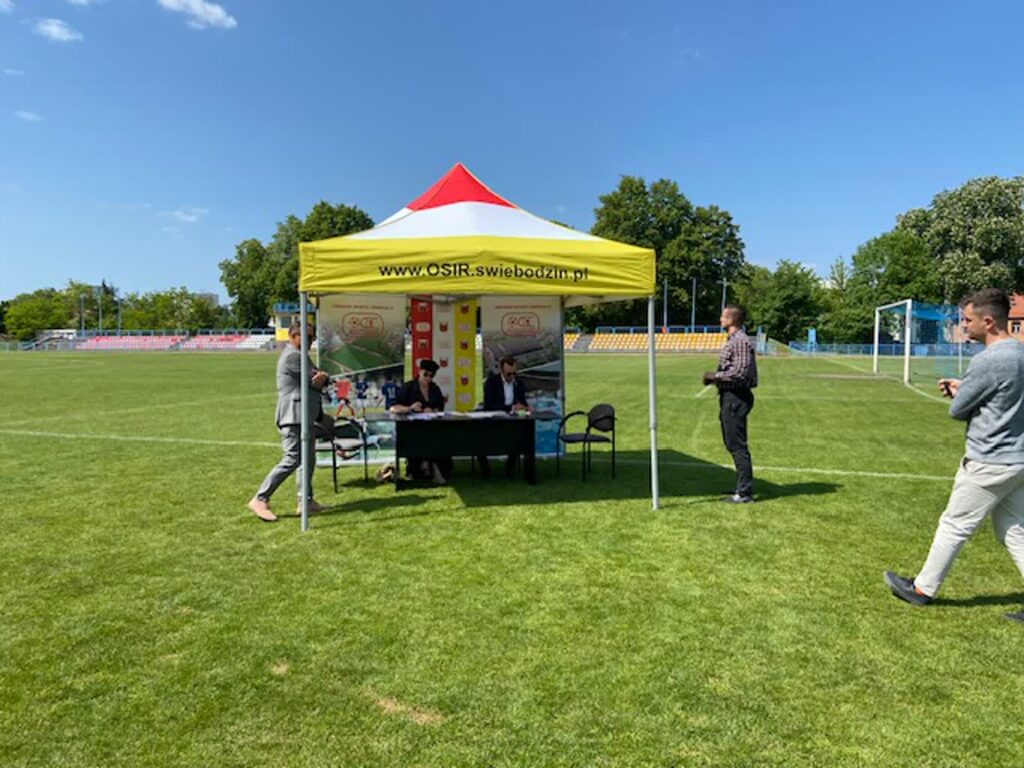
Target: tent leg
[
  {"x": 304, "y": 434},
  {"x": 653, "y": 389}
]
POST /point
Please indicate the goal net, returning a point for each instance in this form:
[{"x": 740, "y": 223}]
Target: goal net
[{"x": 919, "y": 343}]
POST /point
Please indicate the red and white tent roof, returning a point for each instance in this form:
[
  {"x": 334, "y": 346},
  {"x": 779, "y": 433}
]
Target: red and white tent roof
[{"x": 460, "y": 204}]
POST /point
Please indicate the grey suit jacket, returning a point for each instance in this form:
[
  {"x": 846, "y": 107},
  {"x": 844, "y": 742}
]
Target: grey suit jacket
[{"x": 289, "y": 389}]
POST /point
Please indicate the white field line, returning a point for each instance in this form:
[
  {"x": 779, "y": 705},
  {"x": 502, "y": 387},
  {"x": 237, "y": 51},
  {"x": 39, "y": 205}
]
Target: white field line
[
  {"x": 845, "y": 364},
  {"x": 922, "y": 393},
  {"x": 140, "y": 409},
  {"x": 704, "y": 391},
  {"x": 260, "y": 444},
  {"x": 911, "y": 387},
  {"x": 137, "y": 438}
]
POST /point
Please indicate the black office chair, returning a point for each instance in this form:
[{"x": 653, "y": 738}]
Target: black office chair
[
  {"x": 600, "y": 418},
  {"x": 347, "y": 437}
]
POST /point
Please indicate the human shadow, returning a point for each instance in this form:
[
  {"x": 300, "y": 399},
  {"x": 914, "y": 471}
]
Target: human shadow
[
  {"x": 1014, "y": 598},
  {"x": 680, "y": 476},
  {"x": 357, "y": 511}
]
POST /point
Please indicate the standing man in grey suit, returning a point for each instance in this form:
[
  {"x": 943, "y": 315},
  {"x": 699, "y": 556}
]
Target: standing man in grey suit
[{"x": 289, "y": 422}]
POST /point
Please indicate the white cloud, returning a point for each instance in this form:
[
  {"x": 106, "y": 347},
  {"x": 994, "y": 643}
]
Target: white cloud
[
  {"x": 57, "y": 30},
  {"x": 169, "y": 230},
  {"x": 187, "y": 215},
  {"x": 201, "y": 13},
  {"x": 83, "y": 2},
  {"x": 6, "y": 6},
  {"x": 14, "y": 72},
  {"x": 27, "y": 116}
]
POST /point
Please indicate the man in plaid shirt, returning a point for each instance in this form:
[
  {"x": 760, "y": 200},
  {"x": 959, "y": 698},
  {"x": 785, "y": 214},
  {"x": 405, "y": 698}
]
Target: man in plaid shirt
[{"x": 735, "y": 377}]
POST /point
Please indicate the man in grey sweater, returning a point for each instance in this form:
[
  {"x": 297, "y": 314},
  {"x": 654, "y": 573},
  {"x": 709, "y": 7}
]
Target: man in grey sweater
[{"x": 990, "y": 398}]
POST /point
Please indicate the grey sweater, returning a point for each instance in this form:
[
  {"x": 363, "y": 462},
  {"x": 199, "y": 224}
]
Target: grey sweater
[{"x": 991, "y": 401}]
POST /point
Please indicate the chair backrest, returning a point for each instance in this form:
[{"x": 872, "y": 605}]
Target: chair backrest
[
  {"x": 601, "y": 417},
  {"x": 344, "y": 428}
]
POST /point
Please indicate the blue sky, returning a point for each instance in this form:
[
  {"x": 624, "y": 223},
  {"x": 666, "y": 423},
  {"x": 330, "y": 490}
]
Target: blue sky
[{"x": 141, "y": 139}]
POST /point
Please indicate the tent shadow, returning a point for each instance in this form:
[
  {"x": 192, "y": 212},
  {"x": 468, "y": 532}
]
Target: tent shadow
[{"x": 681, "y": 475}]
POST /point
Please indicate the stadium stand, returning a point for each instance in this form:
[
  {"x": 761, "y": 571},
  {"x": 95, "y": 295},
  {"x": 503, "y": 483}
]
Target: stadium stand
[
  {"x": 131, "y": 342},
  {"x": 237, "y": 341},
  {"x": 664, "y": 342},
  {"x": 569, "y": 339}
]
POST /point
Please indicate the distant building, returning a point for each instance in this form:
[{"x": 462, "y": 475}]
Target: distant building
[
  {"x": 1017, "y": 316},
  {"x": 285, "y": 313}
]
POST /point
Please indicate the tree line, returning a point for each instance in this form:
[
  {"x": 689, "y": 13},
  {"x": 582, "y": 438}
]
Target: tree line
[{"x": 967, "y": 238}]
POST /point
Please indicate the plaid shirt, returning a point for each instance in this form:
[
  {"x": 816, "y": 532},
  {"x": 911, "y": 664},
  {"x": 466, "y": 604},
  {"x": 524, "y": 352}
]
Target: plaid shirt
[{"x": 737, "y": 365}]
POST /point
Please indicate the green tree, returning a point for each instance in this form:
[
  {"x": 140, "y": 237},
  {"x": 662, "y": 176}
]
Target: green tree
[
  {"x": 30, "y": 313},
  {"x": 894, "y": 266},
  {"x": 786, "y": 302},
  {"x": 249, "y": 279},
  {"x": 846, "y": 318},
  {"x": 984, "y": 218},
  {"x": 689, "y": 241},
  {"x": 261, "y": 275}
]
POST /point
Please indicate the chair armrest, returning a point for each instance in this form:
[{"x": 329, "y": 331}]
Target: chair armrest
[{"x": 561, "y": 424}]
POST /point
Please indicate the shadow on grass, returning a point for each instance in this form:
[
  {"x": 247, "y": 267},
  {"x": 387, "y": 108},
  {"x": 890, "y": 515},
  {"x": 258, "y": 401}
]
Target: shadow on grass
[
  {"x": 343, "y": 512},
  {"x": 680, "y": 475},
  {"x": 1014, "y": 598}
]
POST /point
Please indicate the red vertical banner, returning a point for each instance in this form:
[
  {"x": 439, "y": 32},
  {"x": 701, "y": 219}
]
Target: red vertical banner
[{"x": 422, "y": 315}]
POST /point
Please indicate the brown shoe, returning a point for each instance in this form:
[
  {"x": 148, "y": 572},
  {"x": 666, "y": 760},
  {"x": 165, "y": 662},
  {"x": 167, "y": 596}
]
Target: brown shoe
[
  {"x": 312, "y": 507},
  {"x": 262, "y": 510}
]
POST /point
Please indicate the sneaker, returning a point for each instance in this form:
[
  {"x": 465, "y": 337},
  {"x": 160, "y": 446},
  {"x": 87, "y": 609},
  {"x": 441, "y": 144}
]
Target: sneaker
[
  {"x": 1016, "y": 616},
  {"x": 737, "y": 499},
  {"x": 261, "y": 509},
  {"x": 903, "y": 588}
]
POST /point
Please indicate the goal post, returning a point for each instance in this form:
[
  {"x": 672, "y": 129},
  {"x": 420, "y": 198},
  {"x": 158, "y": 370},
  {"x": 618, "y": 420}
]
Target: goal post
[
  {"x": 905, "y": 309},
  {"x": 918, "y": 343}
]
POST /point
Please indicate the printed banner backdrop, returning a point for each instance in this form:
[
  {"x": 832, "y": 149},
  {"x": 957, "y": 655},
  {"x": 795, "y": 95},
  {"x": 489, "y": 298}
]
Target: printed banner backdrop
[
  {"x": 361, "y": 344},
  {"x": 443, "y": 344},
  {"x": 452, "y": 344},
  {"x": 465, "y": 355},
  {"x": 422, "y": 316},
  {"x": 530, "y": 329}
]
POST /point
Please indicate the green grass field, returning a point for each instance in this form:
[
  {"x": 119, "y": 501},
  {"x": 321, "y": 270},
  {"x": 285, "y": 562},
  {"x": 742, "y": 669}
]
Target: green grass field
[{"x": 148, "y": 619}]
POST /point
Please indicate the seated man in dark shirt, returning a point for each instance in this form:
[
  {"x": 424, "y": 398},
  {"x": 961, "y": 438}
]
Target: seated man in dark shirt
[
  {"x": 504, "y": 392},
  {"x": 422, "y": 395}
]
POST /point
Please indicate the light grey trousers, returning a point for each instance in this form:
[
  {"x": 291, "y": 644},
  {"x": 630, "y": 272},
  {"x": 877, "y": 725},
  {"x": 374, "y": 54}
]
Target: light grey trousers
[
  {"x": 291, "y": 459},
  {"x": 980, "y": 490}
]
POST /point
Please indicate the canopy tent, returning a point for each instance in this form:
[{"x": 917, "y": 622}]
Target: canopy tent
[{"x": 459, "y": 238}]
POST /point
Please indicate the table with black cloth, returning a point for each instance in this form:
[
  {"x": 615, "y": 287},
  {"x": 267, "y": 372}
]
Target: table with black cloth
[{"x": 419, "y": 438}]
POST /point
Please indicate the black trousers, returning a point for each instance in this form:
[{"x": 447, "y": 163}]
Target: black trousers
[
  {"x": 510, "y": 465},
  {"x": 734, "y": 407}
]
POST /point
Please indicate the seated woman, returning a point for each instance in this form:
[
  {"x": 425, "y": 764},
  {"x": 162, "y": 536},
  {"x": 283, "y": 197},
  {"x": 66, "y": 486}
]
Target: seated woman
[{"x": 422, "y": 395}]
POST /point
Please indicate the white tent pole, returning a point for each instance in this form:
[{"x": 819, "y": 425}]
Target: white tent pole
[
  {"x": 959, "y": 341},
  {"x": 909, "y": 340},
  {"x": 304, "y": 433},
  {"x": 874, "y": 350},
  {"x": 653, "y": 389}
]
